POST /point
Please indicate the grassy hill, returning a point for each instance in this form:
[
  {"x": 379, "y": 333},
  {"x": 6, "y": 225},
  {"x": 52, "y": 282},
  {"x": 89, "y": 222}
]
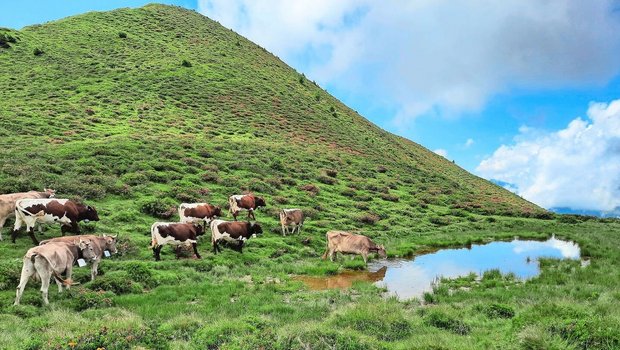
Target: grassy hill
[{"x": 136, "y": 110}]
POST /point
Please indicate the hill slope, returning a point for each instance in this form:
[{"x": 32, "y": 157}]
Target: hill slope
[{"x": 108, "y": 106}]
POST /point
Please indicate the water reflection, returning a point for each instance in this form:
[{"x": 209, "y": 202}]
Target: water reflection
[{"x": 407, "y": 278}]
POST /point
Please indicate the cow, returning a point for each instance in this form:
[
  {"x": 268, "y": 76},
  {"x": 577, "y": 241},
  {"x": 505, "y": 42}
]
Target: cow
[
  {"x": 294, "y": 217},
  {"x": 198, "y": 212},
  {"x": 99, "y": 243},
  {"x": 7, "y": 203},
  {"x": 348, "y": 243},
  {"x": 174, "y": 233},
  {"x": 64, "y": 211},
  {"x": 51, "y": 260},
  {"x": 247, "y": 202},
  {"x": 232, "y": 232}
]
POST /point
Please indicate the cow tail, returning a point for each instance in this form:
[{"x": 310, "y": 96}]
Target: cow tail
[
  {"x": 32, "y": 257},
  {"x": 57, "y": 277}
]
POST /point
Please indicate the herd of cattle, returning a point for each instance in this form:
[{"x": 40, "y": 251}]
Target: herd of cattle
[{"x": 54, "y": 257}]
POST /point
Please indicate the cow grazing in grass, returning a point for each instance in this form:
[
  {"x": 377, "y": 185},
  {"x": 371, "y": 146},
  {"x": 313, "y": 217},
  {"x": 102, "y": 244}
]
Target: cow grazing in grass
[
  {"x": 348, "y": 243},
  {"x": 100, "y": 245},
  {"x": 233, "y": 233},
  {"x": 29, "y": 212},
  {"x": 51, "y": 260},
  {"x": 198, "y": 212},
  {"x": 247, "y": 202},
  {"x": 7, "y": 203},
  {"x": 174, "y": 233},
  {"x": 291, "y": 217}
]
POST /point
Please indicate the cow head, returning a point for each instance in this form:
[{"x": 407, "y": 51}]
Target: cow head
[
  {"x": 87, "y": 213},
  {"x": 217, "y": 211},
  {"x": 88, "y": 252},
  {"x": 381, "y": 251},
  {"x": 259, "y": 202},
  {"x": 255, "y": 229},
  {"x": 110, "y": 243},
  {"x": 200, "y": 230}
]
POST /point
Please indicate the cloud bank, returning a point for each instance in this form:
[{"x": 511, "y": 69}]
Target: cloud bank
[
  {"x": 439, "y": 57},
  {"x": 576, "y": 167}
]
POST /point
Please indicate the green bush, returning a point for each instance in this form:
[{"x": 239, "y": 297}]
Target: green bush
[
  {"x": 85, "y": 299},
  {"x": 37, "y": 52},
  {"x": 186, "y": 63},
  {"x": 10, "y": 271},
  {"x": 118, "y": 282},
  {"x": 496, "y": 310},
  {"x": 441, "y": 320},
  {"x": 158, "y": 207},
  {"x": 122, "y": 35}
]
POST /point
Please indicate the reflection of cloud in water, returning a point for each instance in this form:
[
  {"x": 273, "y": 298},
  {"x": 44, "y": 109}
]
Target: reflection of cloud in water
[
  {"x": 568, "y": 250},
  {"x": 411, "y": 278}
]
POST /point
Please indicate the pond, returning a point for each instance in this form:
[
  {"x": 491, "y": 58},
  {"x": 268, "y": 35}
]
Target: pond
[{"x": 407, "y": 278}]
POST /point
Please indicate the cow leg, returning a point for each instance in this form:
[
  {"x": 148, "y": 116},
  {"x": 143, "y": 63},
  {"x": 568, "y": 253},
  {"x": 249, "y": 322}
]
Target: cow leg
[
  {"x": 31, "y": 234},
  {"x": 283, "y": 230},
  {"x": 44, "y": 271},
  {"x": 93, "y": 269},
  {"x": 241, "y": 248},
  {"x": 156, "y": 251},
  {"x": 16, "y": 227},
  {"x": 234, "y": 214},
  {"x": 195, "y": 246},
  {"x": 27, "y": 272},
  {"x": 2, "y": 221}
]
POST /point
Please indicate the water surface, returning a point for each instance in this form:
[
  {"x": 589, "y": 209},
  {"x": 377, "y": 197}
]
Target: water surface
[{"x": 407, "y": 278}]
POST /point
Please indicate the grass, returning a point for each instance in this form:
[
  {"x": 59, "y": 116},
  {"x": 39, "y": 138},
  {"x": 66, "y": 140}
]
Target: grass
[{"x": 122, "y": 123}]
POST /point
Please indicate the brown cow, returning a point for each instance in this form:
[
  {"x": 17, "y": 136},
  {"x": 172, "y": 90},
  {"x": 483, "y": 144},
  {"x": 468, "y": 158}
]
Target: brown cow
[
  {"x": 51, "y": 260},
  {"x": 235, "y": 233},
  {"x": 348, "y": 243},
  {"x": 63, "y": 211},
  {"x": 174, "y": 233},
  {"x": 294, "y": 217},
  {"x": 99, "y": 243},
  {"x": 247, "y": 202},
  {"x": 198, "y": 212},
  {"x": 7, "y": 203}
]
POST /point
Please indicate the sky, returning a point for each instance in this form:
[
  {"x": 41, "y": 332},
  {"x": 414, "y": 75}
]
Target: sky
[{"x": 524, "y": 92}]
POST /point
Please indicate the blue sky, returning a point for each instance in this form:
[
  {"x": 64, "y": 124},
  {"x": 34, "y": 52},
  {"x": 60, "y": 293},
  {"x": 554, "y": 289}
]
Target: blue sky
[{"x": 507, "y": 90}]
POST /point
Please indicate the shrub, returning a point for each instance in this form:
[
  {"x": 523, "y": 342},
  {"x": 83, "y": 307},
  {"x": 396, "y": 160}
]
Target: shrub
[
  {"x": 384, "y": 321},
  {"x": 389, "y": 197},
  {"x": 159, "y": 207},
  {"x": 326, "y": 179},
  {"x": 381, "y": 169},
  {"x": 85, "y": 299},
  {"x": 369, "y": 218},
  {"x": 186, "y": 63},
  {"x": 331, "y": 172},
  {"x": 439, "y": 220},
  {"x": 117, "y": 282},
  {"x": 313, "y": 190},
  {"x": 122, "y": 35},
  {"x": 10, "y": 271},
  {"x": 37, "y": 52},
  {"x": 441, "y": 320},
  {"x": 496, "y": 310}
]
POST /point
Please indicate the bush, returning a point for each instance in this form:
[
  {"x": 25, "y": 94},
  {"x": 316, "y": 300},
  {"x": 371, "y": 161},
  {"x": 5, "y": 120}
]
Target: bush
[
  {"x": 383, "y": 321},
  {"x": 441, "y": 320},
  {"x": 313, "y": 190},
  {"x": 389, "y": 197},
  {"x": 439, "y": 220},
  {"x": 117, "y": 282},
  {"x": 331, "y": 172},
  {"x": 37, "y": 52},
  {"x": 85, "y": 299},
  {"x": 326, "y": 179},
  {"x": 369, "y": 218},
  {"x": 186, "y": 63},
  {"x": 496, "y": 310},
  {"x": 10, "y": 271},
  {"x": 122, "y": 35},
  {"x": 159, "y": 207},
  {"x": 130, "y": 338}
]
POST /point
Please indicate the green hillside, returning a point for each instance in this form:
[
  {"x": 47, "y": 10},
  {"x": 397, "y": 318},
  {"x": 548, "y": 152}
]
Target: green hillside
[{"x": 137, "y": 110}]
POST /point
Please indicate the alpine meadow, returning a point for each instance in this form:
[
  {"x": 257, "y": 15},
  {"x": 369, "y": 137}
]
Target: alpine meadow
[{"x": 135, "y": 111}]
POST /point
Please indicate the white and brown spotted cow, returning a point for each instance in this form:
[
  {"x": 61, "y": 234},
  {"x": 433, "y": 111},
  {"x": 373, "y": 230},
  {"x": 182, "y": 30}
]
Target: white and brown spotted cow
[
  {"x": 291, "y": 217},
  {"x": 51, "y": 260},
  {"x": 233, "y": 233},
  {"x": 67, "y": 213},
  {"x": 175, "y": 233},
  {"x": 349, "y": 243},
  {"x": 100, "y": 245},
  {"x": 7, "y": 203},
  {"x": 198, "y": 212},
  {"x": 249, "y": 202}
]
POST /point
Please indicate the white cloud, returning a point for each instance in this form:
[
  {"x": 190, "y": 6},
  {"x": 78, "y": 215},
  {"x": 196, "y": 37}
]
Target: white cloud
[
  {"x": 441, "y": 152},
  {"x": 436, "y": 57},
  {"x": 576, "y": 167},
  {"x": 469, "y": 143}
]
